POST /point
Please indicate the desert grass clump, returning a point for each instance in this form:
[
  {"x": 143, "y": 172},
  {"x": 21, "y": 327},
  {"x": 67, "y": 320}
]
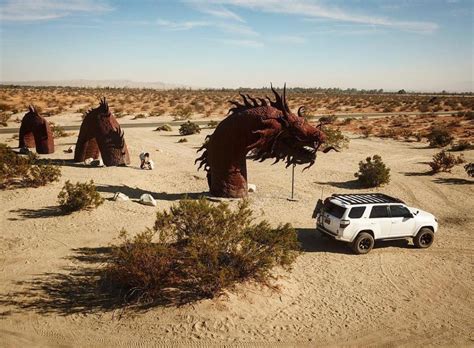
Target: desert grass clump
[
  {"x": 212, "y": 124},
  {"x": 469, "y": 168},
  {"x": 79, "y": 196},
  {"x": 373, "y": 172},
  {"x": 444, "y": 162},
  {"x": 189, "y": 128},
  {"x": 183, "y": 140},
  {"x": 24, "y": 171},
  {"x": 164, "y": 128},
  {"x": 182, "y": 113},
  {"x": 439, "y": 136},
  {"x": 198, "y": 250},
  {"x": 58, "y": 131}
]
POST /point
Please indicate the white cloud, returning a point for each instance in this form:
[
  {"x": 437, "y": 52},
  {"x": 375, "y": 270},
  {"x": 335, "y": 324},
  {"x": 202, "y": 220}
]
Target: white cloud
[
  {"x": 40, "y": 10},
  {"x": 242, "y": 43},
  {"x": 220, "y": 12},
  {"x": 305, "y": 8},
  {"x": 187, "y": 25}
]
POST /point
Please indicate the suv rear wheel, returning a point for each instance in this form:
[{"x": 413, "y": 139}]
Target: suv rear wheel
[
  {"x": 363, "y": 243},
  {"x": 424, "y": 238}
]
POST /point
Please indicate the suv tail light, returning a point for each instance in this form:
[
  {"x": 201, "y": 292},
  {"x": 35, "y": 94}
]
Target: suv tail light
[{"x": 344, "y": 223}]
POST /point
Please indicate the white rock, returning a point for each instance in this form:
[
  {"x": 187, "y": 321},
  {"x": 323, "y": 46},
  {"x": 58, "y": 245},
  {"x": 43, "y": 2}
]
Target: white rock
[
  {"x": 252, "y": 187},
  {"x": 88, "y": 161},
  {"x": 120, "y": 197},
  {"x": 147, "y": 199}
]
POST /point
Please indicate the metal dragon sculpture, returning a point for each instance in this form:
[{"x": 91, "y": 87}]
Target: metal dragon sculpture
[
  {"x": 265, "y": 129},
  {"x": 100, "y": 133},
  {"x": 36, "y": 132}
]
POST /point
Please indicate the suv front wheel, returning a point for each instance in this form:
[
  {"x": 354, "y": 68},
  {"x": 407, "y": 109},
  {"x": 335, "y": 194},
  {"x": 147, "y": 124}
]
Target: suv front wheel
[
  {"x": 424, "y": 238},
  {"x": 363, "y": 243}
]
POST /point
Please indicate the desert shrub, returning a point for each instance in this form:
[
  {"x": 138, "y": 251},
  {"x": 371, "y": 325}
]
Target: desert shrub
[
  {"x": 335, "y": 138},
  {"x": 182, "y": 113},
  {"x": 58, "y": 131},
  {"x": 366, "y": 131},
  {"x": 469, "y": 169},
  {"x": 165, "y": 128},
  {"x": 189, "y": 128},
  {"x": 79, "y": 196},
  {"x": 373, "y": 172},
  {"x": 183, "y": 140},
  {"x": 462, "y": 145},
  {"x": 469, "y": 115},
  {"x": 212, "y": 124},
  {"x": 197, "y": 250},
  {"x": 444, "y": 162},
  {"x": 4, "y": 117},
  {"x": 328, "y": 119},
  {"x": 157, "y": 112},
  {"x": 439, "y": 136},
  {"x": 23, "y": 171},
  {"x": 347, "y": 121},
  {"x": 138, "y": 116}
]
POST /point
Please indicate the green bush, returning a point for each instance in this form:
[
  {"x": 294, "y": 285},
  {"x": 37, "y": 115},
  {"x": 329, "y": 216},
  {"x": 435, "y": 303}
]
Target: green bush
[
  {"x": 444, "y": 162},
  {"x": 373, "y": 172},
  {"x": 79, "y": 196},
  {"x": 197, "y": 250},
  {"x": 469, "y": 169},
  {"x": 439, "y": 136},
  {"x": 334, "y": 137},
  {"x": 189, "y": 128},
  {"x": 23, "y": 171}
]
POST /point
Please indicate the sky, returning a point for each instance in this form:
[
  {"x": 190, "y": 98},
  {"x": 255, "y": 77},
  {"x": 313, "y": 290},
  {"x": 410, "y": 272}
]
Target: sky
[{"x": 417, "y": 45}]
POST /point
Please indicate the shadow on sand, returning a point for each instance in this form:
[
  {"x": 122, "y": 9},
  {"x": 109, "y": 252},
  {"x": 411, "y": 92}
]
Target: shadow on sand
[
  {"x": 47, "y": 212},
  {"x": 453, "y": 181},
  {"x": 313, "y": 241},
  {"x": 351, "y": 184},
  {"x": 135, "y": 193}
]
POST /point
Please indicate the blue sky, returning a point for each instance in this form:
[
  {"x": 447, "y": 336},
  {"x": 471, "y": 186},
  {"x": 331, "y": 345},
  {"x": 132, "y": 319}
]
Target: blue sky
[{"x": 412, "y": 44}]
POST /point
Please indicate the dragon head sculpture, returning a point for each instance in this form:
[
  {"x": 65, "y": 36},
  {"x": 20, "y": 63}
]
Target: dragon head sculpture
[{"x": 286, "y": 136}]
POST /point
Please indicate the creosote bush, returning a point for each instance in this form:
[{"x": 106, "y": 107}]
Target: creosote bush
[
  {"x": 444, "y": 162},
  {"x": 373, "y": 172},
  {"x": 469, "y": 169},
  {"x": 189, "y": 128},
  {"x": 24, "y": 171},
  {"x": 197, "y": 250},
  {"x": 439, "y": 136},
  {"x": 79, "y": 196},
  {"x": 334, "y": 137},
  {"x": 462, "y": 145}
]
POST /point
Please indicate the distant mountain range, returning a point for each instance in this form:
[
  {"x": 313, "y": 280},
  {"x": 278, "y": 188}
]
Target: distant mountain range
[{"x": 97, "y": 83}]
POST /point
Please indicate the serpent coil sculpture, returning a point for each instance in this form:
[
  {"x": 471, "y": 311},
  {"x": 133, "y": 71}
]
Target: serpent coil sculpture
[
  {"x": 266, "y": 129},
  {"x": 100, "y": 133},
  {"x": 36, "y": 132}
]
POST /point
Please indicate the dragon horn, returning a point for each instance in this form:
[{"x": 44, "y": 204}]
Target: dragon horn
[{"x": 301, "y": 111}]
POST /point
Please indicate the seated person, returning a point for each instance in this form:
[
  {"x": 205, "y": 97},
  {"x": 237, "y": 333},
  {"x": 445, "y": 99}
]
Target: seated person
[{"x": 147, "y": 163}]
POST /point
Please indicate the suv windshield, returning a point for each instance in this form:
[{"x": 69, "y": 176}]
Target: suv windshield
[{"x": 334, "y": 209}]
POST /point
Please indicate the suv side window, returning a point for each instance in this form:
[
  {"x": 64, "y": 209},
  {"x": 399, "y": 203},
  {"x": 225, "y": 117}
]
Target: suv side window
[
  {"x": 399, "y": 211},
  {"x": 379, "y": 211},
  {"x": 356, "y": 212}
]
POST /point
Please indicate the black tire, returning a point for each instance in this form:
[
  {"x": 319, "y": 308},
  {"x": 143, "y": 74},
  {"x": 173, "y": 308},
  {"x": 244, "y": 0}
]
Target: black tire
[
  {"x": 363, "y": 243},
  {"x": 424, "y": 238}
]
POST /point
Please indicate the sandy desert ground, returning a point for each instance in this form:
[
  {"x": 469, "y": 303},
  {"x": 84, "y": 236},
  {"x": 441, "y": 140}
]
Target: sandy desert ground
[{"x": 395, "y": 295}]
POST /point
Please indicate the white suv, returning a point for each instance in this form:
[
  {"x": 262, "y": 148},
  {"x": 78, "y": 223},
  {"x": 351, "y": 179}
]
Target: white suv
[{"x": 360, "y": 219}]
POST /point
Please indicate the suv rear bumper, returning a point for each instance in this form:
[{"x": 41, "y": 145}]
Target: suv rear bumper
[{"x": 331, "y": 234}]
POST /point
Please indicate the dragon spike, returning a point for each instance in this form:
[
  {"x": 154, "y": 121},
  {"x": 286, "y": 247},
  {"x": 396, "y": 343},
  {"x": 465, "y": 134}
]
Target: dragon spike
[
  {"x": 253, "y": 100},
  {"x": 246, "y": 102},
  {"x": 278, "y": 100},
  {"x": 263, "y": 101}
]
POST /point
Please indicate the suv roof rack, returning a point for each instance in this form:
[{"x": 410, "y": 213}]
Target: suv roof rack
[{"x": 366, "y": 198}]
